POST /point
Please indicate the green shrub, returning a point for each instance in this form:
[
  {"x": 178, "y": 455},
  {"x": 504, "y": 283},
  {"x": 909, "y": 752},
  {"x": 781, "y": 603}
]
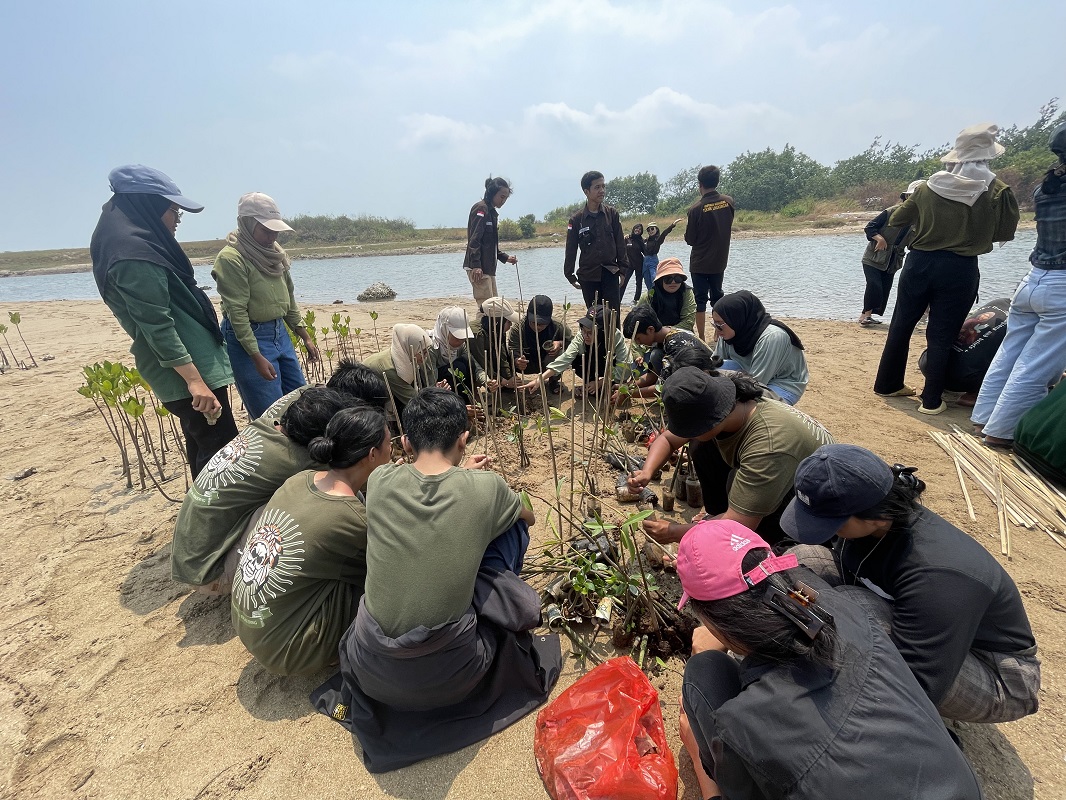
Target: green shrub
[
  {"x": 509, "y": 230},
  {"x": 798, "y": 208},
  {"x": 528, "y": 224}
]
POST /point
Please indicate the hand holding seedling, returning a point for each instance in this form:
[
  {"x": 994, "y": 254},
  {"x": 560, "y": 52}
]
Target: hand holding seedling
[
  {"x": 521, "y": 362},
  {"x": 512, "y": 259},
  {"x": 480, "y": 461},
  {"x": 556, "y": 348},
  {"x": 638, "y": 480},
  {"x": 492, "y": 385},
  {"x": 659, "y": 530},
  {"x": 263, "y": 367}
]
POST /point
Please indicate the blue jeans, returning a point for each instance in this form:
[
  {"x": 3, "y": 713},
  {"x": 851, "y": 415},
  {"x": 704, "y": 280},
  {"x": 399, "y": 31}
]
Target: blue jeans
[
  {"x": 275, "y": 346},
  {"x": 789, "y": 397},
  {"x": 650, "y": 263},
  {"x": 1032, "y": 356},
  {"x": 508, "y": 550}
]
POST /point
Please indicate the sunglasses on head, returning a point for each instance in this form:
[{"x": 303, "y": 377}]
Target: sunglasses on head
[{"x": 674, "y": 279}]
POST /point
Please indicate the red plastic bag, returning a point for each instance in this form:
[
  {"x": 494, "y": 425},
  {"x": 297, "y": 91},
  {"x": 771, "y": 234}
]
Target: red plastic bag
[{"x": 604, "y": 738}]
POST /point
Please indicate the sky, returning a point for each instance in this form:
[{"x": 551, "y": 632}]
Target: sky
[{"x": 403, "y": 109}]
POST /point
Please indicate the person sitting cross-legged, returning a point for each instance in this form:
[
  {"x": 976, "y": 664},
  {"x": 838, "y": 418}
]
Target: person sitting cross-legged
[
  {"x": 440, "y": 655},
  {"x": 643, "y": 327}
]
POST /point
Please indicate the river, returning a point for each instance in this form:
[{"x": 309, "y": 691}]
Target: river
[{"x": 812, "y": 277}]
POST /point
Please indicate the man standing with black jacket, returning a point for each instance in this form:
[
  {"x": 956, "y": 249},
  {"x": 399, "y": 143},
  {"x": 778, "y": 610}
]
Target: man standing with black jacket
[
  {"x": 710, "y": 224},
  {"x": 597, "y": 231}
]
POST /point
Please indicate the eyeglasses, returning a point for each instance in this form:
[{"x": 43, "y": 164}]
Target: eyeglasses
[
  {"x": 674, "y": 279},
  {"x": 177, "y": 212},
  {"x": 718, "y": 326}
]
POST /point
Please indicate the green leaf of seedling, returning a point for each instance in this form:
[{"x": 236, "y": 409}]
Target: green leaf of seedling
[
  {"x": 635, "y": 519},
  {"x": 659, "y": 662},
  {"x": 15, "y": 317},
  {"x": 374, "y": 315},
  {"x": 527, "y": 503},
  {"x": 85, "y": 391},
  {"x": 161, "y": 412},
  {"x": 557, "y": 413},
  {"x": 3, "y": 328}
]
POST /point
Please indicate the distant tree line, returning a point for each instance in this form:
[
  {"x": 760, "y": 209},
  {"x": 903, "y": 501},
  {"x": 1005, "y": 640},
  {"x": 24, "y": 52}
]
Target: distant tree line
[
  {"x": 330, "y": 229},
  {"x": 790, "y": 181}
]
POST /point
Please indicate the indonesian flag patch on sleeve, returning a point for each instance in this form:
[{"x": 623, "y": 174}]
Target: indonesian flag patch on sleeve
[
  {"x": 569, "y": 226},
  {"x": 481, "y": 213}
]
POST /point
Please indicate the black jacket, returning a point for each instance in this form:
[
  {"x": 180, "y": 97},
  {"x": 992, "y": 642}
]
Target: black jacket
[
  {"x": 483, "y": 239},
  {"x": 862, "y": 730},
  {"x": 710, "y": 224},
  {"x": 949, "y": 596},
  {"x": 635, "y": 252},
  {"x": 601, "y": 241},
  {"x": 653, "y": 243}
]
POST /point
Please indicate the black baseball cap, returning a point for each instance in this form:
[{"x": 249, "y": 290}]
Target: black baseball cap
[
  {"x": 593, "y": 318},
  {"x": 540, "y": 309},
  {"x": 834, "y": 483},
  {"x": 696, "y": 402}
]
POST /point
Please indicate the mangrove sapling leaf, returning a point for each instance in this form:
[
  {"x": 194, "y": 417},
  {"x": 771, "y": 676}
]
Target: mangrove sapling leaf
[{"x": 527, "y": 502}]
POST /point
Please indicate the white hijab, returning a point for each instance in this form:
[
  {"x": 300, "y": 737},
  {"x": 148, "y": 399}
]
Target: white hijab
[
  {"x": 962, "y": 181},
  {"x": 407, "y": 342}
]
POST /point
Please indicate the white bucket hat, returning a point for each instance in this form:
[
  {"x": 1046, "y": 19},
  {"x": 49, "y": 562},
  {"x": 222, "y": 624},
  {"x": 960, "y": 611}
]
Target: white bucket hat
[{"x": 976, "y": 143}]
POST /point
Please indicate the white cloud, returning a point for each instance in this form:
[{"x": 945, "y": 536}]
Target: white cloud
[{"x": 435, "y": 130}]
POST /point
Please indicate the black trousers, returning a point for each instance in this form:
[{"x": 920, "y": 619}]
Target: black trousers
[
  {"x": 878, "y": 286},
  {"x": 711, "y": 679},
  {"x": 606, "y": 291},
  {"x": 716, "y": 479},
  {"x": 946, "y": 284},
  {"x": 202, "y": 440}
]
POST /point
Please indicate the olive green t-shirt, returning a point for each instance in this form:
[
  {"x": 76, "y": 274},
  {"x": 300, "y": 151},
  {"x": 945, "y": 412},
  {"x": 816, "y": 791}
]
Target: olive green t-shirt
[
  {"x": 238, "y": 479},
  {"x": 427, "y": 535},
  {"x": 301, "y": 570},
  {"x": 766, "y": 452}
]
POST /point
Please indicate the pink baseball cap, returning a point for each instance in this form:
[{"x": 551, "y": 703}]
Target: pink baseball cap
[{"x": 709, "y": 561}]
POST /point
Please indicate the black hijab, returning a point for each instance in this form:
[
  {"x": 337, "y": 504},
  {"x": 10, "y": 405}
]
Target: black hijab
[
  {"x": 131, "y": 229},
  {"x": 744, "y": 313},
  {"x": 668, "y": 305}
]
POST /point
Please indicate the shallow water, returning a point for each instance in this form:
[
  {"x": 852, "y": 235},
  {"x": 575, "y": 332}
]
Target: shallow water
[{"x": 813, "y": 277}]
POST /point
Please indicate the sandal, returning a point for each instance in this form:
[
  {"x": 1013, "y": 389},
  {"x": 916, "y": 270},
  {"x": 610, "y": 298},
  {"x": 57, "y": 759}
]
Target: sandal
[
  {"x": 995, "y": 443},
  {"x": 940, "y": 409},
  {"x": 903, "y": 391}
]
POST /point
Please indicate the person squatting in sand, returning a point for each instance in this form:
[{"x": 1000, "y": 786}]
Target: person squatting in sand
[
  {"x": 301, "y": 573},
  {"x": 744, "y": 448},
  {"x": 243, "y": 475},
  {"x": 812, "y": 700},
  {"x": 953, "y": 612},
  {"x": 599, "y": 355}
]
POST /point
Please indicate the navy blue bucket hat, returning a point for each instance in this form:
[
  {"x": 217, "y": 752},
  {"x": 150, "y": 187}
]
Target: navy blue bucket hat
[{"x": 138, "y": 179}]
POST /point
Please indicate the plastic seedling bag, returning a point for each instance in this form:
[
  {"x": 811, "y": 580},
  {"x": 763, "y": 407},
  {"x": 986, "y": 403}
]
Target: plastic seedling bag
[{"x": 604, "y": 738}]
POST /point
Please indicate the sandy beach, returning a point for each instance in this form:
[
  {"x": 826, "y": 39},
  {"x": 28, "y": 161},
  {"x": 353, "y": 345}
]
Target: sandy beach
[{"x": 117, "y": 682}]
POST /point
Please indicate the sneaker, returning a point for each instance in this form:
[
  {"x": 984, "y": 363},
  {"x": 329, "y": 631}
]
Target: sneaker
[
  {"x": 903, "y": 391},
  {"x": 940, "y": 409}
]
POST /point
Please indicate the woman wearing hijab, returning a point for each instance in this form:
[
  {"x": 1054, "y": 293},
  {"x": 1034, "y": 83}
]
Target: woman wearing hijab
[
  {"x": 252, "y": 273},
  {"x": 539, "y": 339},
  {"x": 672, "y": 301},
  {"x": 406, "y": 366},
  {"x": 812, "y": 700},
  {"x": 147, "y": 281},
  {"x": 956, "y": 216},
  {"x": 1032, "y": 356},
  {"x": 456, "y": 368},
  {"x": 752, "y": 341}
]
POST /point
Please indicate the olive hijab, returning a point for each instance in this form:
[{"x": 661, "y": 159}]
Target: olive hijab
[
  {"x": 744, "y": 313},
  {"x": 131, "y": 229},
  {"x": 408, "y": 341}
]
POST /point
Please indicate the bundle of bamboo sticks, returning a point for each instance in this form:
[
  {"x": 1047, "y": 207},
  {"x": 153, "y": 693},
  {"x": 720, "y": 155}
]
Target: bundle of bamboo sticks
[{"x": 1020, "y": 495}]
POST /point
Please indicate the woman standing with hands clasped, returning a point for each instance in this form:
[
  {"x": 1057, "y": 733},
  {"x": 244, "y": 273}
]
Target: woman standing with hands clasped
[
  {"x": 147, "y": 281},
  {"x": 252, "y": 273}
]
